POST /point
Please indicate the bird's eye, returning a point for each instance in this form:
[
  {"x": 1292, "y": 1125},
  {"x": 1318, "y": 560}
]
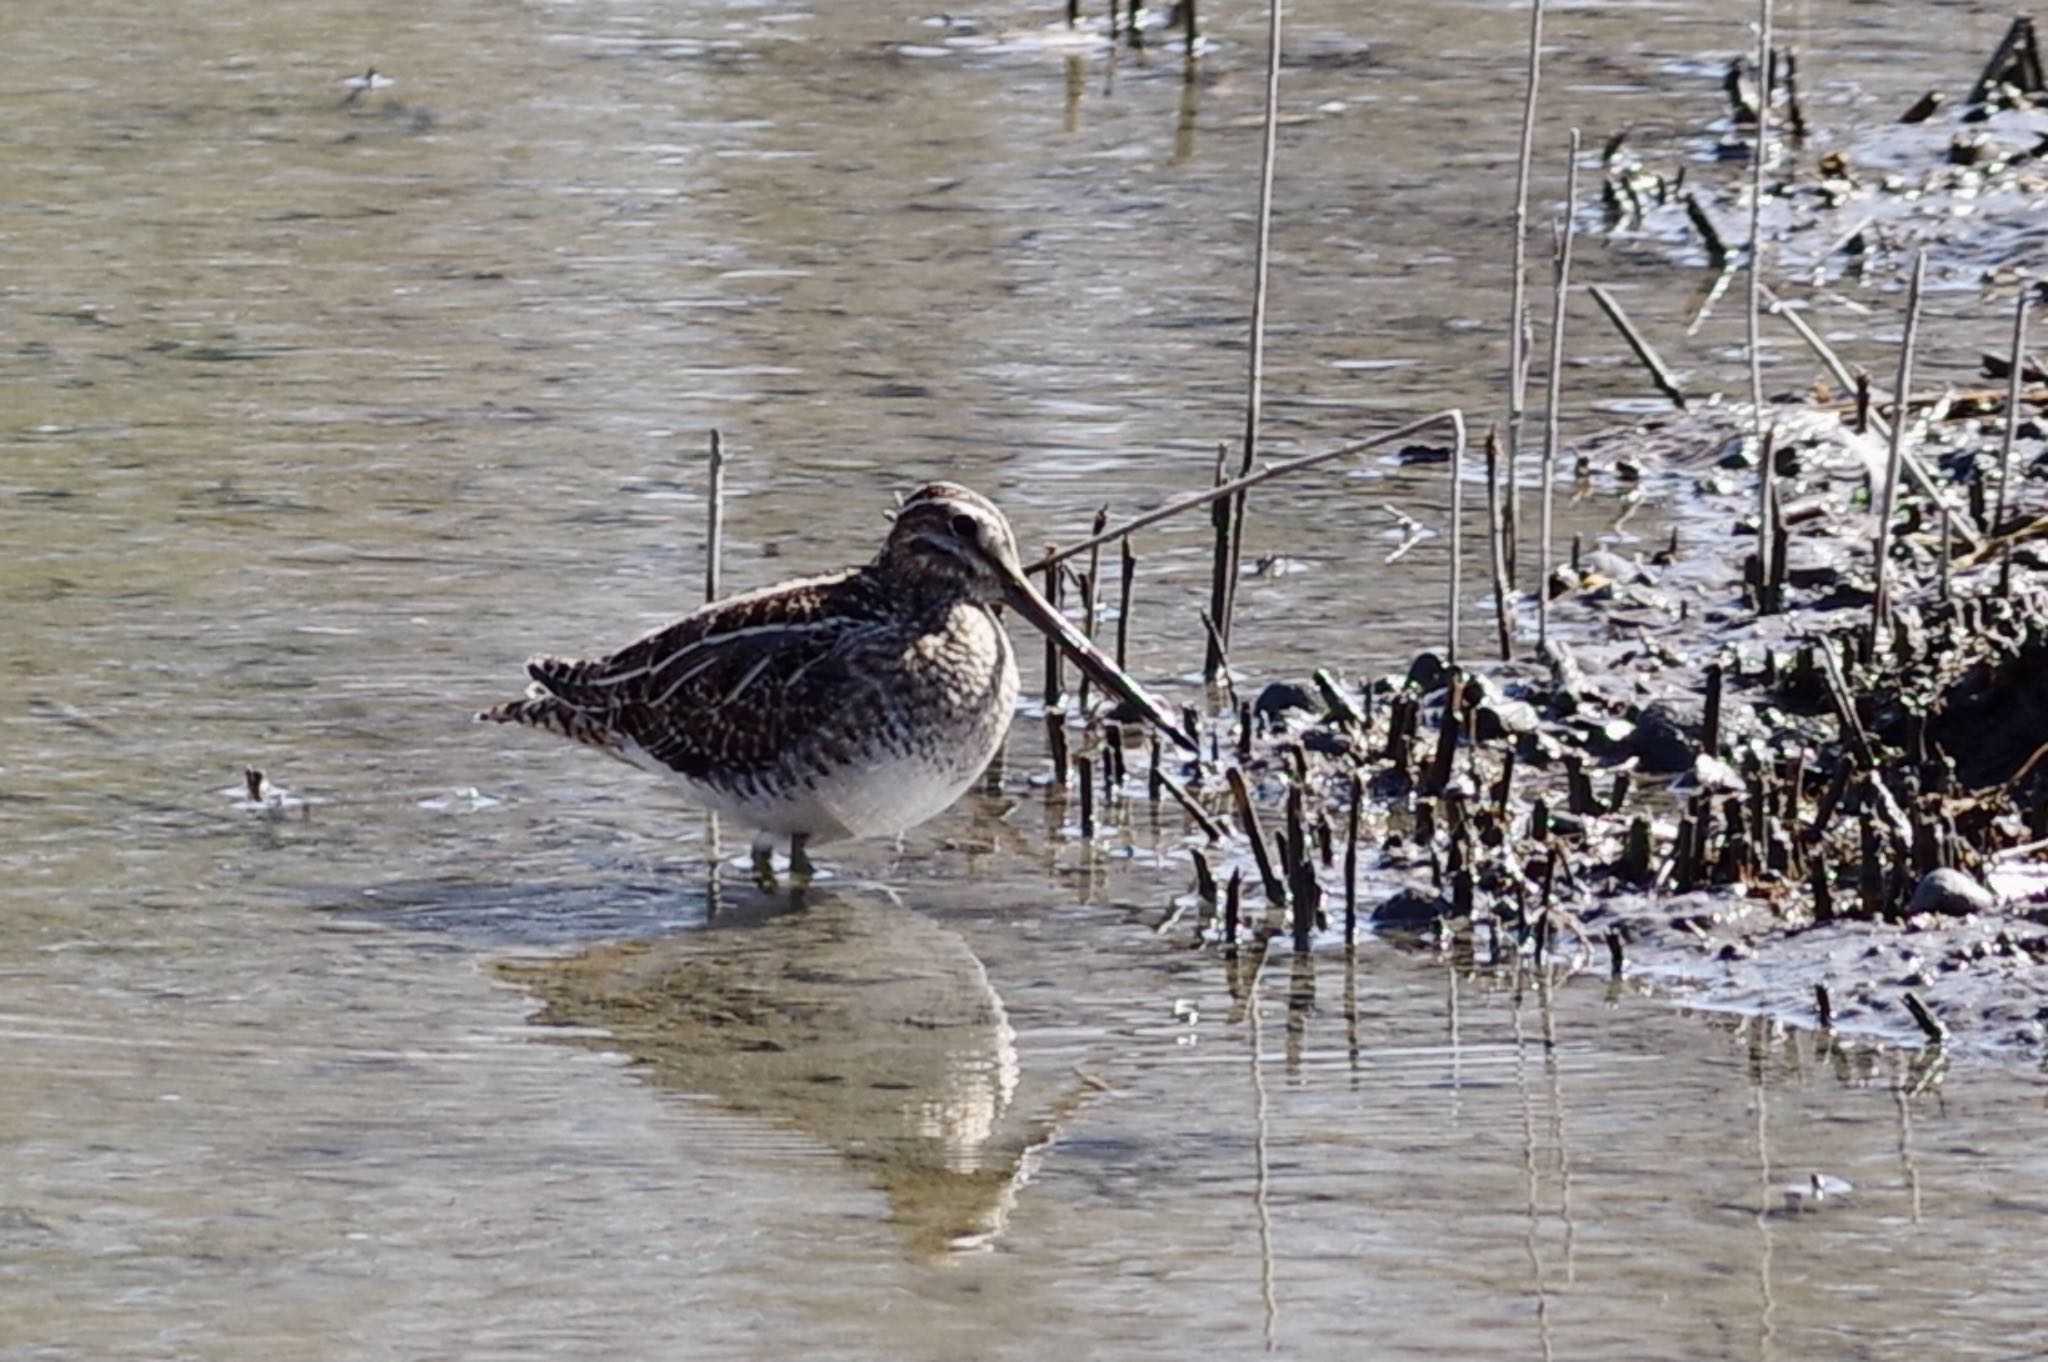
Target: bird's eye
[{"x": 967, "y": 528}]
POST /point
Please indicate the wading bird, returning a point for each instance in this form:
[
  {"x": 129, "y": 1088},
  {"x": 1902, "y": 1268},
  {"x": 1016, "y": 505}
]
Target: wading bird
[{"x": 858, "y": 704}]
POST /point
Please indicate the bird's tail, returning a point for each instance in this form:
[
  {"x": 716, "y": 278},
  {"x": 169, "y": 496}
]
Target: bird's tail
[{"x": 544, "y": 711}]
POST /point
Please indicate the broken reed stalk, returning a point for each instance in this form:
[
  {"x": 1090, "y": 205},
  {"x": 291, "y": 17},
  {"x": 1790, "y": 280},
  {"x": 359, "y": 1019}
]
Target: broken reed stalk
[
  {"x": 1255, "y": 368},
  {"x": 1357, "y": 793},
  {"x": 1645, "y": 354},
  {"x": 1125, "y": 579},
  {"x": 714, "y": 496},
  {"x": 1085, "y": 768},
  {"x": 1091, "y": 587},
  {"x": 1518, "y": 358},
  {"x": 1219, "y": 558},
  {"x": 1457, "y": 537},
  {"x": 1496, "y": 549},
  {"x": 1554, "y": 388},
  {"x": 1930, "y": 1025},
  {"x": 1965, "y": 526},
  {"x": 2012, "y": 424},
  {"x": 1764, "y": 68},
  {"x": 1710, "y": 237},
  {"x": 714, "y": 558},
  {"x": 1054, "y": 658},
  {"x": 1248, "y": 820},
  {"x": 1197, "y": 500},
  {"x": 1770, "y": 567},
  {"x": 1881, "y": 604},
  {"x": 1211, "y": 829},
  {"x": 1216, "y": 643},
  {"x": 2019, "y": 42},
  {"x": 1187, "y": 24}
]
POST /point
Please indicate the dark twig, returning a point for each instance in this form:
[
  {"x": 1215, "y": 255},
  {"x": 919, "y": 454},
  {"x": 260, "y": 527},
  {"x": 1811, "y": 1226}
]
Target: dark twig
[
  {"x": 1496, "y": 533},
  {"x": 2018, "y": 48},
  {"x": 1248, "y": 820},
  {"x": 1357, "y": 796},
  {"x": 1929, "y": 1024},
  {"x": 1220, "y": 522},
  {"x": 1710, "y": 235},
  {"x": 1124, "y": 582},
  {"x": 714, "y": 542},
  {"x": 1211, "y": 829},
  {"x": 1651, "y": 361}
]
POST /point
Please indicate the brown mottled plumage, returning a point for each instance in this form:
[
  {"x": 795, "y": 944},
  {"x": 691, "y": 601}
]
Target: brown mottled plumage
[{"x": 851, "y": 705}]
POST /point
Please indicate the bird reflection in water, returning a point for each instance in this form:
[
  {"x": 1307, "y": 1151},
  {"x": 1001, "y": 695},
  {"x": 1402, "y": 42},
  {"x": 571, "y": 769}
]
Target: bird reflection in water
[{"x": 865, "y": 1026}]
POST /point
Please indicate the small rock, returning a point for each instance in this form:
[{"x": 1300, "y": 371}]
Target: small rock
[
  {"x": 1711, "y": 775},
  {"x": 1499, "y": 718},
  {"x": 1950, "y": 891},
  {"x": 1282, "y": 696},
  {"x": 1427, "y": 673},
  {"x": 1411, "y": 910},
  {"x": 1327, "y": 742},
  {"x": 1663, "y": 740}
]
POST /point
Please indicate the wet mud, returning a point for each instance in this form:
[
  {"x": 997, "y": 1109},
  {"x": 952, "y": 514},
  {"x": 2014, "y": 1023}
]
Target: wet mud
[{"x": 1740, "y": 762}]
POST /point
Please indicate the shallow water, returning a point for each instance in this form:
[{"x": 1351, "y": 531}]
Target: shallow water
[{"x": 317, "y": 419}]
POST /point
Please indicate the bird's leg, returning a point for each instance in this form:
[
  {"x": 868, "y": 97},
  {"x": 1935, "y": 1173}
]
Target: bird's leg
[
  {"x": 764, "y": 862},
  {"x": 800, "y": 867}
]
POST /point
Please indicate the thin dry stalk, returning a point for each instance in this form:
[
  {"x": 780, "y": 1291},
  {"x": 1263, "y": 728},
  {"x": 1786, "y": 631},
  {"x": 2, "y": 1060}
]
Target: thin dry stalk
[
  {"x": 1126, "y": 579},
  {"x": 1496, "y": 549},
  {"x": 1220, "y": 512},
  {"x": 714, "y": 542},
  {"x": 1923, "y": 481},
  {"x": 1255, "y": 369},
  {"x": 1196, "y": 500},
  {"x": 2012, "y": 424},
  {"x": 1518, "y": 358},
  {"x": 1651, "y": 360},
  {"x": 1457, "y": 534},
  {"x": 1091, "y": 583},
  {"x": 1554, "y": 390},
  {"x": 1881, "y": 606},
  {"x": 1756, "y": 283}
]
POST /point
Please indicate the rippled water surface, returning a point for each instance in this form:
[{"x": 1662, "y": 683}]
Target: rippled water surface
[{"x": 316, "y": 418}]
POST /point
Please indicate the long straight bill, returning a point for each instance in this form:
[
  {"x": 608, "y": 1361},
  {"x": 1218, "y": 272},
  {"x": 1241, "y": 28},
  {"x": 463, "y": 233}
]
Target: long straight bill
[{"x": 1089, "y": 659}]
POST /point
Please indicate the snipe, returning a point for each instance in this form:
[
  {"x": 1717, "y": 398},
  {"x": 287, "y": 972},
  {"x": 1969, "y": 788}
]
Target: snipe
[{"x": 854, "y": 705}]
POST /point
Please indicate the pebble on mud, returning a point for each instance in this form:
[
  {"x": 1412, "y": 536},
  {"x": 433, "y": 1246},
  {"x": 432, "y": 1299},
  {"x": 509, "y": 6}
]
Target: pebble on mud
[
  {"x": 1951, "y": 891},
  {"x": 1411, "y": 910}
]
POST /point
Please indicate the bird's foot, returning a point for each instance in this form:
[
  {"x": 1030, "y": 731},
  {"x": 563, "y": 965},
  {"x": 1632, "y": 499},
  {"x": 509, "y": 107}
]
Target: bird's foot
[
  {"x": 764, "y": 865},
  {"x": 800, "y": 868}
]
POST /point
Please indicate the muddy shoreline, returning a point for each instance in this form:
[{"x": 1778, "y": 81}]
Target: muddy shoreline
[{"x": 1729, "y": 770}]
